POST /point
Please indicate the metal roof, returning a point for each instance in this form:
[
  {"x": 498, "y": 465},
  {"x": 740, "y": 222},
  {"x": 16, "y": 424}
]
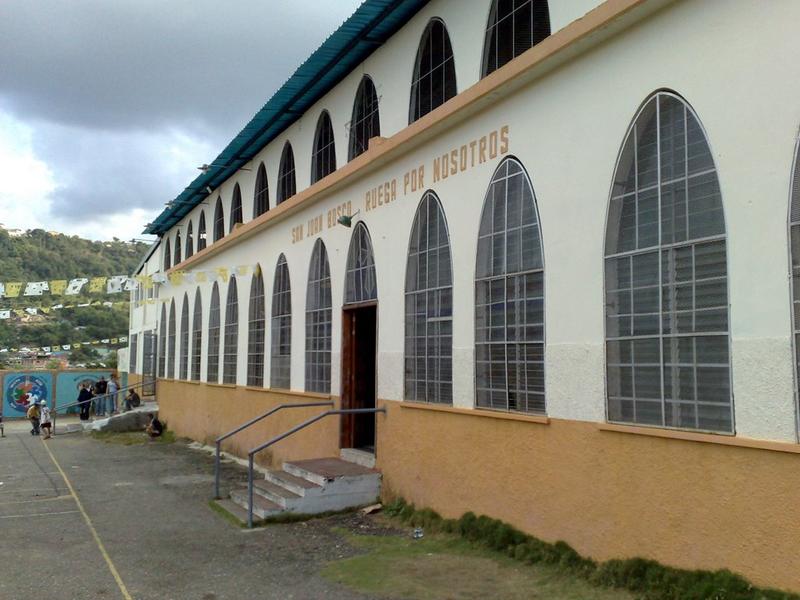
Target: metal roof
[{"x": 369, "y": 26}]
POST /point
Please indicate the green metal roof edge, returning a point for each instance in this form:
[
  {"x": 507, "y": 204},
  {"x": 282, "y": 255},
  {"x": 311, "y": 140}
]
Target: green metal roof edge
[{"x": 367, "y": 28}]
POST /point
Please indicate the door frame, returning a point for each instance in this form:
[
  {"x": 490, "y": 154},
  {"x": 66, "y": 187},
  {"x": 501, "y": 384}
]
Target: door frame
[{"x": 346, "y": 401}]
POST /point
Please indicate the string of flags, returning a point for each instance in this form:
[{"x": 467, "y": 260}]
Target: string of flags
[
  {"x": 115, "y": 341},
  {"x": 45, "y": 310}
]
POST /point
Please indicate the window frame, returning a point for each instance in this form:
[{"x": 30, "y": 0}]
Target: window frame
[
  {"x": 202, "y": 235},
  {"x": 236, "y": 208},
  {"x": 493, "y": 7},
  {"x": 319, "y": 321},
  {"x": 281, "y": 322},
  {"x": 214, "y": 336},
  {"x": 183, "y": 373},
  {"x": 414, "y": 114},
  {"x": 367, "y": 122},
  {"x": 323, "y": 157},
  {"x": 230, "y": 345},
  {"x": 256, "y": 328},
  {"x": 197, "y": 337},
  {"x": 219, "y": 220},
  {"x": 286, "y": 176},
  {"x": 261, "y": 192}
]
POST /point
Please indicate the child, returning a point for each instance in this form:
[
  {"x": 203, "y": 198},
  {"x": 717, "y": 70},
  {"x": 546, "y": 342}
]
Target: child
[
  {"x": 33, "y": 415},
  {"x": 154, "y": 428},
  {"x": 45, "y": 419}
]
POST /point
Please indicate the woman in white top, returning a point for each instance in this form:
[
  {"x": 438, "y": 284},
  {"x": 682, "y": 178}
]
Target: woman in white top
[{"x": 45, "y": 419}]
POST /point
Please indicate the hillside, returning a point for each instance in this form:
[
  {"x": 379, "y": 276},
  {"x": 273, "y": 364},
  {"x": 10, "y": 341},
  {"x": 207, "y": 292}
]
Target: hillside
[{"x": 38, "y": 255}]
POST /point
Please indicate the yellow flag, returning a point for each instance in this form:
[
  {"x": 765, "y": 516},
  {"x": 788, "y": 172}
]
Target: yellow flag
[
  {"x": 13, "y": 289},
  {"x": 148, "y": 282},
  {"x": 176, "y": 277},
  {"x": 19, "y": 312},
  {"x": 76, "y": 345},
  {"x": 97, "y": 284},
  {"x": 242, "y": 269},
  {"x": 45, "y": 309},
  {"x": 96, "y": 303},
  {"x": 200, "y": 277},
  {"x": 95, "y": 342},
  {"x": 222, "y": 273},
  {"x": 58, "y": 286},
  {"x": 113, "y": 340}
]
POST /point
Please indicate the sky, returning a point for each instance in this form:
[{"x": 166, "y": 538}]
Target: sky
[{"x": 107, "y": 107}]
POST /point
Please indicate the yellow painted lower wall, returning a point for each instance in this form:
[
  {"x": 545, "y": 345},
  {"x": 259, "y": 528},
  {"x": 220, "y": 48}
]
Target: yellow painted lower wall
[{"x": 608, "y": 494}]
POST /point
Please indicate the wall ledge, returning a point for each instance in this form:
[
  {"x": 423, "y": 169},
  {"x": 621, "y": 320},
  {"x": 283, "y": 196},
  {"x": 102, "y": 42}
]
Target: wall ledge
[
  {"x": 475, "y": 412},
  {"x": 703, "y": 438},
  {"x": 282, "y": 392}
]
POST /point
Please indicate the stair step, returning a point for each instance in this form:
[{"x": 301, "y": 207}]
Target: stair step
[
  {"x": 275, "y": 493},
  {"x": 236, "y": 511},
  {"x": 261, "y": 506},
  {"x": 323, "y": 470},
  {"x": 298, "y": 485}
]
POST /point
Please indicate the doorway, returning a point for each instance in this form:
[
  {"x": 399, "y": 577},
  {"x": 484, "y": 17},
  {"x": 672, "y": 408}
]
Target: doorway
[{"x": 359, "y": 377}]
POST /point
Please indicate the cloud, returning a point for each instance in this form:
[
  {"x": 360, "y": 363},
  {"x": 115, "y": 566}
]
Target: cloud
[{"x": 120, "y": 101}]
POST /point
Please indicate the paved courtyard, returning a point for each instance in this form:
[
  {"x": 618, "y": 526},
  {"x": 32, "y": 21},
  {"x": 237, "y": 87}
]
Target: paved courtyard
[{"x": 82, "y": 518}]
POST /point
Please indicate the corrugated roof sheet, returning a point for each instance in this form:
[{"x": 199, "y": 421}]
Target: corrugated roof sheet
[{"x": 369, "y": 27}]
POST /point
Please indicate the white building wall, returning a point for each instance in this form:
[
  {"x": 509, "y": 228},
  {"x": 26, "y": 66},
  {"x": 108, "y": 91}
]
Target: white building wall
[{"x": 566, "y": 128}]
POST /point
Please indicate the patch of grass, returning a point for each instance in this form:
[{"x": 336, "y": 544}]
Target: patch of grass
[
  {"x": 648, "y": 579},
  {"x": 442, "y": 566},
  {"x": 225, "y": 514},
  {"x": 132, "y": 438}
]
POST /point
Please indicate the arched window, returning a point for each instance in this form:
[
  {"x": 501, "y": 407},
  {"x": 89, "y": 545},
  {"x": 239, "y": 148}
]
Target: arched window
[
  {"x": 509, "y": 296},
  {"x": 794, "y": 225},
  {"x": 212, "y": 364},
  {"x": 434, "y": 81},
  {"x": 318, "y": 322},
  {"x": 429, "y": 307},
  {"x": 167, "y": 256},
  {"x": 281, "y": 345},
  {"x": 177, "y": 259},
  {"x": 231, "y": 341},
  {"x": 189, "y": 240},
  {"x": 360, "y": 284},
  {"x": 197, "y": 334},
  {"x": 323, "y": 158},
  {"x": 201, "y": 232},
  {"x": 261, "y": 197},
  {"x": 255, "y": 332},
  {"x": 513, "y": 28},
  {"x": 286, "y": 182},
  {"x": 162, "y": 343},
  {"x": 219, "y": 221},
  {"x": 666, "y": 276},
  {"x": 365, "y": 123},
  {"x": 184, "y": 372},
  {"x": 236, "y": 207},
  {"x": 171, "y": 334}
]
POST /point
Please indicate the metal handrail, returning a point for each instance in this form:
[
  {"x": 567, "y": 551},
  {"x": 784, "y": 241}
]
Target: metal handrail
[
  {"x": 293, "y": 430},
  {"x": 56, "y": 408},
  {"x": 225, "y": 436}
]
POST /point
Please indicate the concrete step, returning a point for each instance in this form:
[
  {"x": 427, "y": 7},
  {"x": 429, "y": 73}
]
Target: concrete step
[
  {"x": 325, "y": 470},
  {"x": 276, "y": 494},
  {"x": 298, "y": 485},
  {"x": 261, "y": 506},
  {"x": 235, "y": 511},
  {"x": 360, "y": 457}
]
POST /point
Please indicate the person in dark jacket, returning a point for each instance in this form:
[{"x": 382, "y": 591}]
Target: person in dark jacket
[
  {"x": 85, "y": 398},
  {"x": 100, "y": 388}
]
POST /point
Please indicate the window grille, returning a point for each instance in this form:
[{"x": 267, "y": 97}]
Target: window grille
[
  {"x": 201, "y": 232},
  {"x": 189, "y": 241},
  {"x": 231, "y": 341},
  {"x": 236, "y": 207},
  {"x": 366, "y": 122},
  {"x": 261, "y": 197},
  {"x": 149, "y": 361},
  {"x": 197, "y": 335},
  {"x": 360, "y": 283},
  {"x": 513, "y": 28},
  {"x": 219, "y": 221},
  {"x": 255, "y": 332},
  {"x": 177, "y": 259},
  {"x": 134, "y": 351},
  {"x": 281, "y": 345},
  {"x": 429, "y": 307},
  {"x": 318, "y": 322},
  {"x": 171, "y": 335},
  {"x": 184, "y": 372},
  {"x": 286, "y": 179},
  {"x": 162, "y": 344},
  {"x": 323, "y": 159},
  {"x": 666, "y": 277},
  {"x": 794, "y": 226},
  {"x": 434, "y": 81},
  {"x": 509, "y": 296},
  {"x": 212, "y": 365},
  {"x": 167, "y": 256}
]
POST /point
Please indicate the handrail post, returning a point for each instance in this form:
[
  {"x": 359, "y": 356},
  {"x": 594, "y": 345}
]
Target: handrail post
[
  {"x": 250, "y": 491},
  {"x": 216, "y": 473}
]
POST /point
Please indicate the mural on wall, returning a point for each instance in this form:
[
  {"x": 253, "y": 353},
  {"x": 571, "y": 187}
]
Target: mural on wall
[
  {"x": 68, "y": 384},
  {"x": 20, "y": 387}
]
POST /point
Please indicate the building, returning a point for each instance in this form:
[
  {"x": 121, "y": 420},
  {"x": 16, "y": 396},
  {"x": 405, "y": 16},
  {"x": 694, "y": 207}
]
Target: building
[{"x": 552, "y": 241}]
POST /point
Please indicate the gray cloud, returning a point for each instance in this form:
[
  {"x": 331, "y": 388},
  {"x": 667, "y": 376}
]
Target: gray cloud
[{"x": 105, "y": 86}]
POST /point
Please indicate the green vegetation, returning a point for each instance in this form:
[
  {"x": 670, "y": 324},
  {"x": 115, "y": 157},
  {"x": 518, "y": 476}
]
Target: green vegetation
[
  {"x": 133, "y": 438},
  {"x": 648, "y": 579},
  {"x": 441, "y": 566},
  {"x": 42, "y": 256}
]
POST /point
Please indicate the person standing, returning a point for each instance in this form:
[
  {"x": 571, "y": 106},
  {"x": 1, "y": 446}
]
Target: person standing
[
  {"x": 85, "y": 398},
  {"x": 111, "y": 395},
  {"x": 45, "y": 419},
  {"x": 33, "y": 415},
  {"x": 100, "y": 388}
]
